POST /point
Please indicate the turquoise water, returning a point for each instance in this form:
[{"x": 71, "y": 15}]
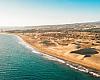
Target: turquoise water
[{"x": 19, "y": 63}]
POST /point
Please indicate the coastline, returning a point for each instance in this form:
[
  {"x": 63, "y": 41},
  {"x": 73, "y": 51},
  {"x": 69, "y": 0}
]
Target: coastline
[{"x": 55, "y": 58}]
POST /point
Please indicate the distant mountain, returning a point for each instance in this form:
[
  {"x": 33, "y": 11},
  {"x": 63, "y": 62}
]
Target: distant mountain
[{"x": 76, "y": 26}]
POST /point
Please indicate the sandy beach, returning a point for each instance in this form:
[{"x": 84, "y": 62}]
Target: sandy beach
[{"x": 89, "y": 63}]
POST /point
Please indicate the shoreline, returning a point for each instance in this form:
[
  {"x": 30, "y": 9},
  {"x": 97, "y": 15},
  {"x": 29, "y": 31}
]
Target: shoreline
[
  {"x": 54, "y": 58},
  {"x": 70, "y": 64}
]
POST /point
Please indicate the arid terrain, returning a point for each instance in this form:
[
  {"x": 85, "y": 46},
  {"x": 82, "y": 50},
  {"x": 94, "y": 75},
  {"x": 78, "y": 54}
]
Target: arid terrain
[{"x": 80, "y": 45}]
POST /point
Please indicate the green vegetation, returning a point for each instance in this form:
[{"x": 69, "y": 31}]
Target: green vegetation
[
  {"x": 86, "y": 51},
  {"x": 48, "y": 43}
]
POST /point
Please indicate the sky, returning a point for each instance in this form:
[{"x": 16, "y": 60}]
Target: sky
[{"x": 48, "y": 12}]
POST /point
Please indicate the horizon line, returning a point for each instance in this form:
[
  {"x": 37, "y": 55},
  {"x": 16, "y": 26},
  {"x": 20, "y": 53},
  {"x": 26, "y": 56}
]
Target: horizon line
[{"x": 18, "y": 26}]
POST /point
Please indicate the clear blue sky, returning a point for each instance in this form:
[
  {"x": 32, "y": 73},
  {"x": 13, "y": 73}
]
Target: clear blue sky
[{"x": 42, "y": 12}]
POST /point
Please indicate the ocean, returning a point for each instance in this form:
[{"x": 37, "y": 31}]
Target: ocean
[{"x": 18, "y": 62}]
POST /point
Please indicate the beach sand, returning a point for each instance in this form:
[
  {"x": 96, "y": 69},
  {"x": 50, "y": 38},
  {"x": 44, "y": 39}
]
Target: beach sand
[{"x": 64, "y": 53}]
